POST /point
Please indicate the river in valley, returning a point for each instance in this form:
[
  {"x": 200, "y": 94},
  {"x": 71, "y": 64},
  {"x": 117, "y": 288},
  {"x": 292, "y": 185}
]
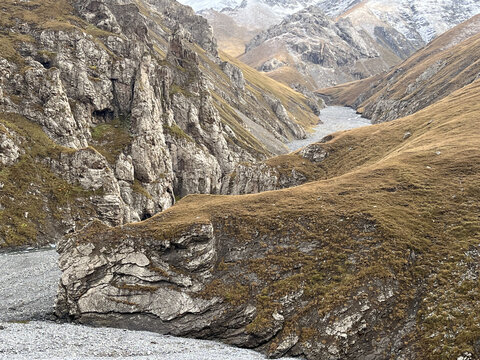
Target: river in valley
[{"x": 334, "y": 118}]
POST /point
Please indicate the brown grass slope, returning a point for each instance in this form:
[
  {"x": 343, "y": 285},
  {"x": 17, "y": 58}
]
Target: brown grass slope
[
  {"x": 390, "y": 213},
  {"x": 258, "y": 83},
  {"x": 448, "y": 63}
]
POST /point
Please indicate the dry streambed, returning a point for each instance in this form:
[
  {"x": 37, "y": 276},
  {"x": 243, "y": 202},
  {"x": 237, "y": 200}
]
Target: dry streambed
[{"x": 28, "y": 285}]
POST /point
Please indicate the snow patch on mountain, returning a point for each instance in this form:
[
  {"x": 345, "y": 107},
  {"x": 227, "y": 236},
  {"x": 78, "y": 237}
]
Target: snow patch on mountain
[
  {"x": 262, "y": 14},
  {"x": 335, "y": 8},
  {"x": 199, "y": 5},
  {"x": 418, "y": 20}
]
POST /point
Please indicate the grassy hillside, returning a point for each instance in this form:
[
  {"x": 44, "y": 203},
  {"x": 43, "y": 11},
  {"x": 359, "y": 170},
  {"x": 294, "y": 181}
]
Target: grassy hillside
[
  {"x": 295, "y": 102},
  {"x": 395, "y": 207},
  {"x": 32, "y": 197},
  {"x": 448, "y": 63}
]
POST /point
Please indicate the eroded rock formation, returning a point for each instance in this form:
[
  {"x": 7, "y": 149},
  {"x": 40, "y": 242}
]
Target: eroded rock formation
[{"x": 137, "y": 106}]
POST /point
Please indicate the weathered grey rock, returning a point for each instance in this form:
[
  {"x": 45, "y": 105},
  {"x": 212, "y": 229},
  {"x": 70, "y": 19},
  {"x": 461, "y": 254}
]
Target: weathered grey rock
[
  {"x": 272, "y": 64},
  {"x": 255, "y": 178},
  {"x": 9, "y": 150},
  {"x": 235, "y": 74},
  {"x": 132, "y": 102},
  {"x": 284, "y": 117},
  {"x": 124, "y": 169},
  {"x": 164, "y": 309},
  {"x": 315, "y": 153},
  {"x": 315, "y": 102},
  {"x": 259, "y": 177},
  {"x": 91, "y": 171},
  {"x": 324, "y": 51},
  {"x": 203, "y": 281}
]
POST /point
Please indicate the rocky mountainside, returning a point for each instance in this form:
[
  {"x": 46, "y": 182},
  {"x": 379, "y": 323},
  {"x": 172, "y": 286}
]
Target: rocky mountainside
[
  {"x": 420, "y": 21},
  {"x": 199, "y": 5},
  {"x": 260, "y": 14},
  {"x": 376, "y": 257},
  {"x": 230, "y": 35},
  {"x": 393, "y": 29},
  {"x": 448, "y": 63},
  {"x": 113, "y": 109},
  {"x": 311, "y": 49},
  {"x": 235, "y": 24}
]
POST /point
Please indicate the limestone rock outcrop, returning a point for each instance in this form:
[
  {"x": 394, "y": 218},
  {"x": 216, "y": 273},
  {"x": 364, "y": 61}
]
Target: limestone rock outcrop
[
  {"x": 274, "y": 174},
  {"x": 174, "y": 285},
  {"x": 136, "y": 102}
]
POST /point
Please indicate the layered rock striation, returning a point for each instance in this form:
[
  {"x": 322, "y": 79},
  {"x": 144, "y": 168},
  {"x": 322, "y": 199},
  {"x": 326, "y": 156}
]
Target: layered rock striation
[{"x": 325, "y": 52}]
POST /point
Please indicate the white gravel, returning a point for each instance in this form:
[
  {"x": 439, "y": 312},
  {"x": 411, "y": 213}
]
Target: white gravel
[
  {"x": 334, "y": 118},
  {"x": 43, "y": 340},
  {"x": 28, "y": 286}
]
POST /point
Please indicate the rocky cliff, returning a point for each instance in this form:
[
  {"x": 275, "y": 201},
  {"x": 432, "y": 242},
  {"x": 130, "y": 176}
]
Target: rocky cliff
[
  {"x": 377, "y": 257},
  {"x": 419, "y": 21},
  {"x": 112, "y": 109},
  {"x": 446, "y": 64}
]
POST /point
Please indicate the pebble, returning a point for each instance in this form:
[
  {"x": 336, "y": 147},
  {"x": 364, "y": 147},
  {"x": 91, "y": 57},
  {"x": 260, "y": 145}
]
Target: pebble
[{"x": 46, "y": 340}]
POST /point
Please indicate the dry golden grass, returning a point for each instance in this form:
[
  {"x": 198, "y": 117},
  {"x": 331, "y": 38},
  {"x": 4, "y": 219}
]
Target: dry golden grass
[
  {"x": 368, "y": 152},
  {"x": 234, "y": 47},
  {"x": 110, "y": 139},
  {"x": 289, "y": 75},
  {"x": 264, "y": 52},
  {"x": 231, "y": 37},
  {"x": 42, "y": 13},
  {"x": 295, "y": 103},
  {"x": 348, "y": 94}
]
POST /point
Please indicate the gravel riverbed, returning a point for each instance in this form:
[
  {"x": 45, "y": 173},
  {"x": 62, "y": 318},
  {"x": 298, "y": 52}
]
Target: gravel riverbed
[
  {"x": 28, "y": 286},
  {"x": 334, "y": 118}
]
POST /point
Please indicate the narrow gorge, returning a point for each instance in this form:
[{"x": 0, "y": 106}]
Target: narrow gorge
[{"x": 161, "y": 199}]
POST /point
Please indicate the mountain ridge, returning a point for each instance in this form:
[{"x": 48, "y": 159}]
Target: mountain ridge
[
  {"x": 398, "y": 28},
  {"x": 447, "y": 63}
]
